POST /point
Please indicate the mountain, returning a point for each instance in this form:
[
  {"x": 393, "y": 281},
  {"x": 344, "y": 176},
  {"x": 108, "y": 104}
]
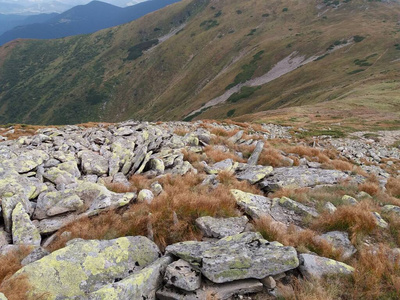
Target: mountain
[
  {"x": 22, "y": 7},
  {"x": 210, "y": 59},
  {"x": 83, "y": 19},
  {"x": 8, "y": 22}
]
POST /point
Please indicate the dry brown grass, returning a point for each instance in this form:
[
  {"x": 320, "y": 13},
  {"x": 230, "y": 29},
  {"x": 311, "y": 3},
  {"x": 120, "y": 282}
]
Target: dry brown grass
[
  {"x": 120, "y": 187},
  {"x": 303, "y": 240},
  {"x": 181, "y": 131},
  {"x": 229, "y": 181},
  {"x": 298, "y": 194},
  {"x": 17, "y": 288},
  {"x": 340, "y": 165},
  {"x": 216, "y": 155},
  {"x": 393, "y": 187},
  {"x": 370, "y": 186},
  {"x": 357, "y": 220},
  {"x": 377, "y": 275},
  {"x": 182, "y": 195},
  {"x": 11, "y": 263}
]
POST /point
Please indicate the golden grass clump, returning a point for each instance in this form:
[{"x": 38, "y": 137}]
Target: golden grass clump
[
  {"x": 303, "y": 240},
  {"x": 393, "y": 187},
  {"x": 357, "y": 220},
  {"x": 183, "y": 195},
  {"x": 216, "y": 155},
  {"x": 10, "y": 263}
]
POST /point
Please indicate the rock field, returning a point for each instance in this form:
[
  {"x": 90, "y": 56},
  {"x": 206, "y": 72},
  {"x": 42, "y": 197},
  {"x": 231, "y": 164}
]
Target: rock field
[{"x": 62, "y": 175}]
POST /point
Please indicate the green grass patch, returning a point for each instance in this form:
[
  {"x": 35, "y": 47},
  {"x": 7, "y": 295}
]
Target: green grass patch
[
  {"x": 208, "y": 24},
  {"x": 247, "y": 71},
  {"x": 137, "y": 50},
  {"x": 333, "y": 133},
  {"x": 356, "y": 71},
  {"x": 245, "y": 92}
]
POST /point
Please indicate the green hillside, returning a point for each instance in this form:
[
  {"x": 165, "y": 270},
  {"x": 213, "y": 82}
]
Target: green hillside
[{"x": 283, "y": 52}]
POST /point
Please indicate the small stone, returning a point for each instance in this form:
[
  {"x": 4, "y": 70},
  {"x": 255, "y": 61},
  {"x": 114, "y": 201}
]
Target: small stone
[
  {"x": 35, "y": 255},
  {"x": 269, "y": 282},
  {"x": 256, "y": 154},
  {"x": 145, "y": 196},
  {"x": 182, "y": 275},
  {"x": 379, "y": 220},
  {"x": 348, "y": 200},
  {"x": 221, "y": 227},
  {"x": 316, "y": 266},
  {"x": 330, "y": 208},
  {"x": 156, "y": 188}
]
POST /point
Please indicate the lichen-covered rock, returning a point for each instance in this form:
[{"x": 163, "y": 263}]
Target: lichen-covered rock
[
  {"x": 254, "y": 205},
  {"x": 222, "y": 291},
  {"x": 296, "y": 177},
  {"x": 35, "y": 255},
  {"x": 254, "y": 174},
  {"x": 145, "y": 196},
  {"x": 55, "y": 203},
  {"x": 83, "y": 267},
  {"x": 253, "y": 159},
  {"x": 221, "y": 227},
  {"x": 340, "y": 240},
  {"x": 93, "y": 163},
  {"x": 23, "y": 230},
  {"x": 29, "y": 160},
  {"x": 9, "y": 203},
  {"x": 182, "y": 275},
  {"x": 246, "y": 255},
  {"x": 12, "y": 183},
  {"x": 298, "y": 207},
  {"x": 316, "y": 266},
  {"x": 329, "y": 207},
  {"x": 47, "y": 226},
  {"x": 58, "y": 176},
  {"x": 379, "y": 220},
  {"x": 391, "y": 209},
  {"x": 157, "y": 165},
  {"x": 348, "y": 200},
  {"x": 140, "y": 285}
]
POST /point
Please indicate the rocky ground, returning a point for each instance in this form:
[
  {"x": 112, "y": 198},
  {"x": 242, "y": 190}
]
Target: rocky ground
[{"x": 197, "y": 210}]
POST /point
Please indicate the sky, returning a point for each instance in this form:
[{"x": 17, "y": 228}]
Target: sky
[{"x": 48, "y": 6}]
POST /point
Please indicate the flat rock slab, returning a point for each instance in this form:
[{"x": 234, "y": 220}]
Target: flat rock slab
[
  {"x": 296, "y": 177},
  {"x": 318, "y": 267},
  {"x": 340, "y": 240},
  {"x": 182, "y": 275},
  {"x": 85, "y": 266},
  {"x": 221, "y": 227},
  {"x": 141, "y": 285},
  {"x": 253, "y": 174},
  {"x": 222, "y": 291},
  {"x": 242, "y": 256}
]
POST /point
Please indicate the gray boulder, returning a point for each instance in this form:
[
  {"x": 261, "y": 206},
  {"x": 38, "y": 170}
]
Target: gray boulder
[
  {"x": 241, "y": 256},
  {"x": 253, "y": 174},
  {"x": 318, "y": 267},
  {"x": 35, "y": 255},
  {"x": 93, "y": 163},
  {"x": 253, "y": 159},
  {"x": 222, "y": 291},
  {"x": 142, "y": 284},
  {"x": 83, "y": 267},
  {"x": 23, "y": 230},
  {"x": 340, "y": 240},
  {"x": 221, "y": 227},
  {"x": 182, "y": 275},
  {"x": 296, "y": 177}
]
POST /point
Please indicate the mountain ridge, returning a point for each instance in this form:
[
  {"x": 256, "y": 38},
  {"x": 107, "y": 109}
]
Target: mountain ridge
[
  {"x": 83, "y": 19},
  {"x": 219, "y": 44}
]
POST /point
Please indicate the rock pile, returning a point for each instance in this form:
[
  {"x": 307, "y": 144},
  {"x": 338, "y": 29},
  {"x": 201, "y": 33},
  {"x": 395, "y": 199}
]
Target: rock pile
[{"x": 60, "y": 175}]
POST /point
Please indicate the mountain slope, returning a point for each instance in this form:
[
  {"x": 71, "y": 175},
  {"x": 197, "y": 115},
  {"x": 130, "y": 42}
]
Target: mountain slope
[
  {"x": 83, "y": 19},
  {"x": 8, "y": 22},
  {"x": 244, "y": 57}
]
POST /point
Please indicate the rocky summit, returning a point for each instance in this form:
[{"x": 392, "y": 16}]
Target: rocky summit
[{"x": 202, "y": 210}]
